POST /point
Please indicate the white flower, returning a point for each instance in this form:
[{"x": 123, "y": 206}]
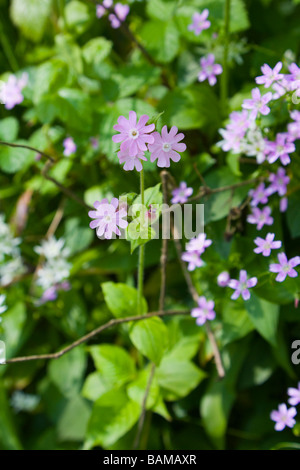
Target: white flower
[
  {"x": 10, "y": 270},
  {"x": 52, "y": 248},
  {"x": 53, "y": 272}
]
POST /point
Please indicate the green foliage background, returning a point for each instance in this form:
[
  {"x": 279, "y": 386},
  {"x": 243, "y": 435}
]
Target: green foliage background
[{"x": 82, "y": 76}]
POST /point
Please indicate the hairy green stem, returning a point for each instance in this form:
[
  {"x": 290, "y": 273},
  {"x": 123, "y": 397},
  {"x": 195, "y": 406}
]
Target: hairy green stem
[
  {"x": 225, "y": 74},
  {"x": 141, "y": 250}
]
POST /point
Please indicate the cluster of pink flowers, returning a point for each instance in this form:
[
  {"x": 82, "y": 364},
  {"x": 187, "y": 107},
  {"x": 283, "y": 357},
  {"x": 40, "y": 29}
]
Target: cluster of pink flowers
[
  {"x": 209, "y": 69},
  {"x": 241, "y": 286},
  {"x": 194, "y": 249},
  {"x": 243, "y": 135},
  {"x": 284, "y": 416},
  {"x": 120, "y": 12},
  {"x": 136, "y": 137},
  {"x": 11, "y": 91}
]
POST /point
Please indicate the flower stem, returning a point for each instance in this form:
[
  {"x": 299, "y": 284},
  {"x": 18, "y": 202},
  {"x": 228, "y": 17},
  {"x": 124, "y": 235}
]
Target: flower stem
[
  {"x": 225, "y": 74},
  {"x": 141, "y": 251}
]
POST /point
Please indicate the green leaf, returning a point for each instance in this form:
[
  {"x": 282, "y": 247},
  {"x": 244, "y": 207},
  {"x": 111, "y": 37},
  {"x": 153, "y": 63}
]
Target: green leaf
[
  {"x": 9, "y": 128},
  {"x": 77, "y": 236},
  {"x": 113, "y": 415},
  {"x": 150, "y": 337},
  {"x": 264, "y": 316},
  {"x": 95, "y": 386},
  {"x": 122, "y": 299},
  {"x": 137, "y": 388},
  {"x": 13, "y": 159},
  {"x": 77, "y": 16},
  {"x": 73, "y": 421},
  {"x": 161, "y": 39},
  {"x": 67, "y": 372},
  {"x": 178, "y": 377},
  {"x": 96, "y": 50},
  {"x": 14, "y": 324},
  {"x": 115, "y": 364},
  {"x": 8, "y": 436},
  {"x": 31, "y": 16},
  {"x": 161, "y": 9},
  {"x": 236, "y": 322}
]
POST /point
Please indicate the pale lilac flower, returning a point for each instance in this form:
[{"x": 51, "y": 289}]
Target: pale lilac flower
[
  {"x": 199, "y": 22},
  {"x": 269, "y": 75},
  {"x": 294, "y": 127},
  {"x": 281, "y": 149},
  {"x": 108, "y": 219},
  {"x": 283, "y": 204},
  {"x": 285, "y": 267},
  {"x": 209, "y": 69},
  {"x": 102, "y": 9},
  {"x": 193, "y": 258},
  {"x": 265, "y": 246},
  {"x": 259, "y": 195},
  {"x": 181, "y": 194},
  {"x": 69, "y": 146},
  {"x": 284, "y": 417},
  {"x": 294, "y": 73},
  {"x": 166, "y": 146},
  {"x": 94, "y": 142},
  {"x": 279, "y": 182},
  {"x": 260, "y": 217},
  {"x": 294, "y": 393},
  {"x": 132, "y": 162},
  {"x": 223, "y": 279},
  {"x": 51, "y": 294},
  {"x": 134, "y": 136},
  {"x": 258, "y": 103},
  {"x": 121, "y": 12},
  {"x": 11, "y": 91},
  {"x": 242, "y": 285},
  {"x": 239, "y": 122},
  {"x": 204, "y": 311},
  {"x": 231, "y": 141},
  {"x": 256, "y": 145},
  {"x": 199, "y": 244}
]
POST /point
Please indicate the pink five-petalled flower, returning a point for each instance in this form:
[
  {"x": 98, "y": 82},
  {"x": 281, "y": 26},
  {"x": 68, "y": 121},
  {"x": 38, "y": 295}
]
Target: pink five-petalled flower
[
  {"x": 258, "y": 103},
  {"x": 260, "y": 217},
  {"x": 121, "y": 12},
  {"x": 283, "y": 417},
  {"x": 204, "y": 311},
  {"x": 181, "y": 194},
  {"x": 11, "y": 91},
  {"x": 132, "y": 162},
  {"x": 199, "y": 22},
  {"x": 108, "y": 219},
  {"x": 264, "y": 246},
  {"x": 269, "y": 75},
  {"x": 279, "y": 182},
  {"x": 69, "y": 146},
  {"x": 285, "y": 267},
  {"x": 193, "y": 258},
  {"x": 259, "y": 195},
  {"x": 133, "y": 135},
  {"x": 199, "y": 244},
  {"x": 223, "y": 279},
  {"x": 166, "y": 146},
  {"x": 209, "y": 69},
  {"x": 242, "y": 285},
  {"x": 294, "y": 393},
  {"x": 281, "y": 149}
]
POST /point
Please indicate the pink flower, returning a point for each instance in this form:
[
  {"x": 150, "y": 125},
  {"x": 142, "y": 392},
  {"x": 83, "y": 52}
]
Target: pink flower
[
  {"x": 166, "y": 147},
  {"x": 269, "y": 75},
  {"x": 259, "y": 195},
  {"x": 260, "y": 217},
  {"x": 242, "y": 285},
  {"x": 102, "y": 9},
  {"x": 258, "y": 103},
  {"x": 279, "y": 182},
  {"x": 133, "y": 135},
  {"x": 181, "y": 194},
  {"x": 131, "y": 162},
  {"x": 284, "y": 417},
  {"x": 199, "y": 22},
  {"x": 285, "y": 267},
  {"x": 281, "y": 149},
  {"x": 294, "y": 393},
  {"x": 121, "y": 12},
  {"x": 204, "y": 311},
  {"x": 107, "y": 218},
  {"x": 223, "y": 279},
  {"x": 265, "y": 246},
  {"x": 69, "y": 146},
  {"x": 209, "y": 69},
  {"x": 199, "y": 244},
  {"x": 11, "y": 91},
  {"x": 193, "y": 258}
]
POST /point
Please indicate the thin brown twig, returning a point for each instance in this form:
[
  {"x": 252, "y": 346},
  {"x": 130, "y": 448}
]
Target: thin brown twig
[
  {"x": 195, "y": 296},
  {"x": 28, "y": 147},
  {"x": 93, "y": 333},
  {"x": 144, "y": 409}
]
